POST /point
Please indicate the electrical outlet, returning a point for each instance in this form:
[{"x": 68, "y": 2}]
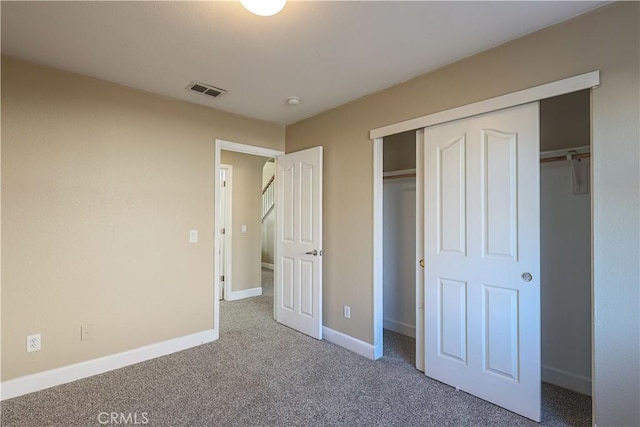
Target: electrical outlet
[
  {"x": 86, "y": 332},
  {"x": 34, "y": 343},
  {"x": 193, "y": 236},
  {"x": 347, "y": 312}
]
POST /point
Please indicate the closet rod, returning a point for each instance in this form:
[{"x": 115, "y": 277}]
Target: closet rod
[
  {"x": 545, "y": 160},
  {"x": 405, "y": 175},
  {"x": 560, "y": 158}
]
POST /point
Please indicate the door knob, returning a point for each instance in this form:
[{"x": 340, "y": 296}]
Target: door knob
[
  {"x": 526, "y": 276},
  {"x": 422, "y": 263},
  {"x": 313, "y": 252}
]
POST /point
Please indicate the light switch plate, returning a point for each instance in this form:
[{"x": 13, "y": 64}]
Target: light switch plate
[
  {"x": 193, "y": 236},
  {"x": 243, "y": 229}
]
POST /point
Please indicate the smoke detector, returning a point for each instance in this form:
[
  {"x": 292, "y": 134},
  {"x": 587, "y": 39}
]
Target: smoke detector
[
  {"x": 293, "y": 100},
  {"x": 206, "y": 89}
]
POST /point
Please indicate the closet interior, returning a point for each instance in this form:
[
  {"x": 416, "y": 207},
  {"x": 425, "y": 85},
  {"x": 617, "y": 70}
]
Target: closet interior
[
  {"x": 565, "y": 240},
  {"x": 399, "y": 233}
]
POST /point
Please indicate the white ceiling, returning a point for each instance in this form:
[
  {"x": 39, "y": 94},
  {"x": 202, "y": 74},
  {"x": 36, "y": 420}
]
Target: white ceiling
[{"x": 327, "y": 53}]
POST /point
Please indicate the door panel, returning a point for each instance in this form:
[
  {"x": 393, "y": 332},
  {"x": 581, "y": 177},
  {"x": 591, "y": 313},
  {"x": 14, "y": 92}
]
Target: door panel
[
  {"x": 286, "y": 202},
  {"x": 481, "y": 233},
  {"x": 286, "y": 279},
  {"x": 500, "y": 331},
  {"x": 499, "y": 194},
  {"x": 451, "y": 197},
  {"x": 299, "y": 241},
  {"x": 306, "y": 288},
  {"x": 453, "y": 319},
  {"x": 306, "y": 211}
]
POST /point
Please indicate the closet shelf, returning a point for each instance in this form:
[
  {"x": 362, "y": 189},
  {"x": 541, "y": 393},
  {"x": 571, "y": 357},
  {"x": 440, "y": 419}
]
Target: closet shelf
[
  {"x": 567, "y": 157},
  {"x": 565, "y": 154}
]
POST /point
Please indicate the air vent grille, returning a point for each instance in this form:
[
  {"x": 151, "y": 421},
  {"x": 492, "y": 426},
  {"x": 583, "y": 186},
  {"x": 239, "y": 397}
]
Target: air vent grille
[
  {"x": 206, "y": 89},
  {"x": 213, "y": 92}
]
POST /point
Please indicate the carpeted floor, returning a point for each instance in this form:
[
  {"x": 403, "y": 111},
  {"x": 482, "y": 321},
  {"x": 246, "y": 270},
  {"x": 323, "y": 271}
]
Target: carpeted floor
[{"x": 260, "y": 373}]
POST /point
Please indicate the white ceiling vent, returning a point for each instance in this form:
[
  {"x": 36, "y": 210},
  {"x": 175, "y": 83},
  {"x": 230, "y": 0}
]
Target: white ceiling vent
[{"x": 206, "y": 89}]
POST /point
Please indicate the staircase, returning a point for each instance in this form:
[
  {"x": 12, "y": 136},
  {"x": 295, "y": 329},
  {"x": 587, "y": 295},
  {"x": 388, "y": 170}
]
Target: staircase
[{"x": 268, "y": 197}]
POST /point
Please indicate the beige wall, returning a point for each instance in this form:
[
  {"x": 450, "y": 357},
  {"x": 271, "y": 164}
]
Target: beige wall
[
  {"x": 246, "y": 205},
  {"x": 268, "y": 171},
  {"x": 100, "y": 187},
  {"x": 608, "y": 40},
  {"x": 399, "y": 151},
  {"x": 564, "y": 121}
]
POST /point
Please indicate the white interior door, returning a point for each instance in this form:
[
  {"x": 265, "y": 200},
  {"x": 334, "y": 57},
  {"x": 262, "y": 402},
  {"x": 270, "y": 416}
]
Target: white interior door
[
  {"x": 298, "y": 257},
  {"x": 482, "y": 257},
  {"x": 224, "y": 257}
]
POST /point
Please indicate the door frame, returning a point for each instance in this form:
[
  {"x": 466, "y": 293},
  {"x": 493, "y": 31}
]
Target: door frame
[
  {"x": 220, "y": 145},
  {"x": 589, "y": 80}
]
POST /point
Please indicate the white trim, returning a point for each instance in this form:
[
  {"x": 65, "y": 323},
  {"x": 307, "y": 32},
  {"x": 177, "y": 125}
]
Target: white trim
[
  {"x": 350, "y": 343},
  {"x": 566, "y": 379},
  {"x": 536, "y": 93},
  {"x": 399, "y": 172},
  {"x": 245, "y": 293},
  {"x": 267, "y": 265},
  {"x": 420, "y": 315},
  {"x": 378, "y": 283},
  {"x": 240, "y": 148},
  {"x": 77, "y": 371},
  {"x": 247, "y": 149},
  {"x": 400, "y": 327}
]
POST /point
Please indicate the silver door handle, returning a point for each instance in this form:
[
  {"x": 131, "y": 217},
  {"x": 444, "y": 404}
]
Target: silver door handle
[
  {"x": 314, "y": 252},
  {"x": 526, "y": 276}
]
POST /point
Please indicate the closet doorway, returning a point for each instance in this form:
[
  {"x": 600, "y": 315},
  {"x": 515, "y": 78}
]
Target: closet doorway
[
  {"x": 565, "y": 237},
  {"x": 565, "y": 240},
  {"x": 399, "y": 250}
]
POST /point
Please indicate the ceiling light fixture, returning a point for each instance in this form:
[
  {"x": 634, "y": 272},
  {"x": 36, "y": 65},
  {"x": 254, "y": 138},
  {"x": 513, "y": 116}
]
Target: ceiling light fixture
[
  {"x": 293, "y": 100},
  {"x": 263, "y": 7}
]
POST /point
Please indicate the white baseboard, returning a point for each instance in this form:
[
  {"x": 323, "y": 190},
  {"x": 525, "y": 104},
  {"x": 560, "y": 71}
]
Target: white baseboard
[
  {"x": 247, "y": 293},
  {"x": 267, "y": 265},
  {"x": 566, "y": 380},
  {"x": 350, "y": 343},
  {"x": 400, "y": 327},
  {"x": 77, "y": 371}
]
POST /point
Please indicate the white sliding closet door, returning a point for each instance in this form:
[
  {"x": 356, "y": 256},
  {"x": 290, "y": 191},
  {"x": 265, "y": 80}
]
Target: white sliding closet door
[{"x": 482, "y": 256}]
